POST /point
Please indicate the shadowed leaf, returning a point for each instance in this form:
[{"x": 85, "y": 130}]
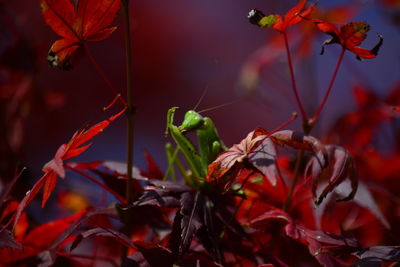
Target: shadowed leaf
[{"x": 339, "y": 166}]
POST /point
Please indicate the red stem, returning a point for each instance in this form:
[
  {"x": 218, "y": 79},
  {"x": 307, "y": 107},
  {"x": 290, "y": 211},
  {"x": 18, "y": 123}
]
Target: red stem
[
  {"x": 120, "y": 199},
  {"x": 283, "y": 125},
  {"x": 294, "y": 86},
  {"x": 321, "y": 106},
  {"x": 102, "y": 74}
]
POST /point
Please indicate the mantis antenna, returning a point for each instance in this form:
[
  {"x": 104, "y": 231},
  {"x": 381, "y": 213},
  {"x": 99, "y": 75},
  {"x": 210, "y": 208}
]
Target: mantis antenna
[
  {"x": 202, "y": 96},
  {"x": 218, "y": 106}
]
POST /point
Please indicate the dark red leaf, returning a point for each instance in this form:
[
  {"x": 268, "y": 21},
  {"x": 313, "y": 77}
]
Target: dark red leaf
[
  {"x": 263, "y": 158},
  {"x": 190, "y": 222},
  {"x": 297, "y": 140},
  {"x": 156, "y": 255},
  {"x": 153, "y": 171},
  {"x": 118, "y": 236},
  {"x": 339, "y": 166},
  {"x": 29, "y": 197},
  {"x": 362, "y": 198},
  {"x": 7, "y": 240},
  {"x": 82, "y": 217},
  {"x": 320, "y": 244},
  {"x": 373, "y": 256},
  {"x": 40, "y": 239}
]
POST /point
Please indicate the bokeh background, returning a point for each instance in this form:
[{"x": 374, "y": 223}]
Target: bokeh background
[{"x": 180, "y": 49}]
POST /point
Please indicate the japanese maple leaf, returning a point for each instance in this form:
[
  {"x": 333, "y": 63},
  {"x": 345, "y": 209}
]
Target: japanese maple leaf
[
  {"x": 55, "y": 167},
  {"x": 276, "y": 22},
  {"x": 321, "y": 245},
  {"x": 87, "y": 21},
  {"x": 349, "y": 36},
  {"x": 36, "y": 241},
  {"x": 338, "y": 167},
  {"x": 255, "y": 151}
]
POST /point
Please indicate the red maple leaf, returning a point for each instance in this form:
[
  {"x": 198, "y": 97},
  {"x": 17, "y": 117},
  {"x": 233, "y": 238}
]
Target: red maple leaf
[
  {"x": 55, "y": 167},
  {"x": 257, "y": 152},
  {"x": 41, "y": 238},
  {"x": 337, "y": 167},
  {"x": 88, "y": 21},
  {"x": 321, "y": 245},
  {"x": 349, "y": 36},
  {"x": 276, "y": 22}
]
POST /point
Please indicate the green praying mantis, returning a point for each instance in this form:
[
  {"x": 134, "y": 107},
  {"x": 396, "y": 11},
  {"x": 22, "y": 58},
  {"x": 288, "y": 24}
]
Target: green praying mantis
[{"x": 209, "y": 145}]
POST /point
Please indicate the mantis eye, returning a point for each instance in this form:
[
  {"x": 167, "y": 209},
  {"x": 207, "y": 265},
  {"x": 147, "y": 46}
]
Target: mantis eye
[{"x": 191, "y": 121}]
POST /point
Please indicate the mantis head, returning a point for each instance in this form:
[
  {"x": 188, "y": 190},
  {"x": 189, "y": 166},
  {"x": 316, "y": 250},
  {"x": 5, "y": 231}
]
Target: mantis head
[{"x": 191, "y": 121}]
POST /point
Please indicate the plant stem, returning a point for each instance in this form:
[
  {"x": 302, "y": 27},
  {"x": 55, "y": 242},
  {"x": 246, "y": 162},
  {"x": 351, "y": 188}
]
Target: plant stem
[
  {"x": 286, "y": 123},
  {"x": 289, "y": 198},
  {"x": 313, "y": 119},
  {"x": 101, "y": 73},
  {"x": 308, "y": 125},
  {"x": 130, "y": 112},
  {"x": 294, "y": 86}
]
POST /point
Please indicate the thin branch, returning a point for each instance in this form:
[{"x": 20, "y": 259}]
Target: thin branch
[
  {"x": 130, "y": 112},
  {"x": 292, "y": 77}
]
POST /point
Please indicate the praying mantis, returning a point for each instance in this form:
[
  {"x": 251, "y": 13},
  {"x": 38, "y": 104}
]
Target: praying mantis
[{"x": 210, "y": 145}]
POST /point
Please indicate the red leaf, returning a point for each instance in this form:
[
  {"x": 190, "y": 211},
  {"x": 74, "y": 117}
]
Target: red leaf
[
  {"x": 349, "y": 36},
  {"x": 38, "y": 240},
  {"x": 29, "y": 197},
  {"x": 320, "y": 244},
  {"x": 74, "y": 146},
  {"x": 256, "y": 151},
  {"x": 297, "y": 140},
  {"x": 7, "y": 240},
  {"x": 49, "y": 186},
  {"x": 55, "y": 167},
  {"x": 236, "y": 154},
  {"x": 89, "y": 22},
  {"x": 326, "y": 27},
  {"x": 372, "y": 255},
  {"x": 153, "y": 171},
  {"x": 120, "y": 237},
  {"x": 296, "y": 14},
  {"x": 44, "y": 235},
  {"x": 363, "y": 198},
  {"x": 263, "y": 158},
  {"x": 156, "y": 255}
]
